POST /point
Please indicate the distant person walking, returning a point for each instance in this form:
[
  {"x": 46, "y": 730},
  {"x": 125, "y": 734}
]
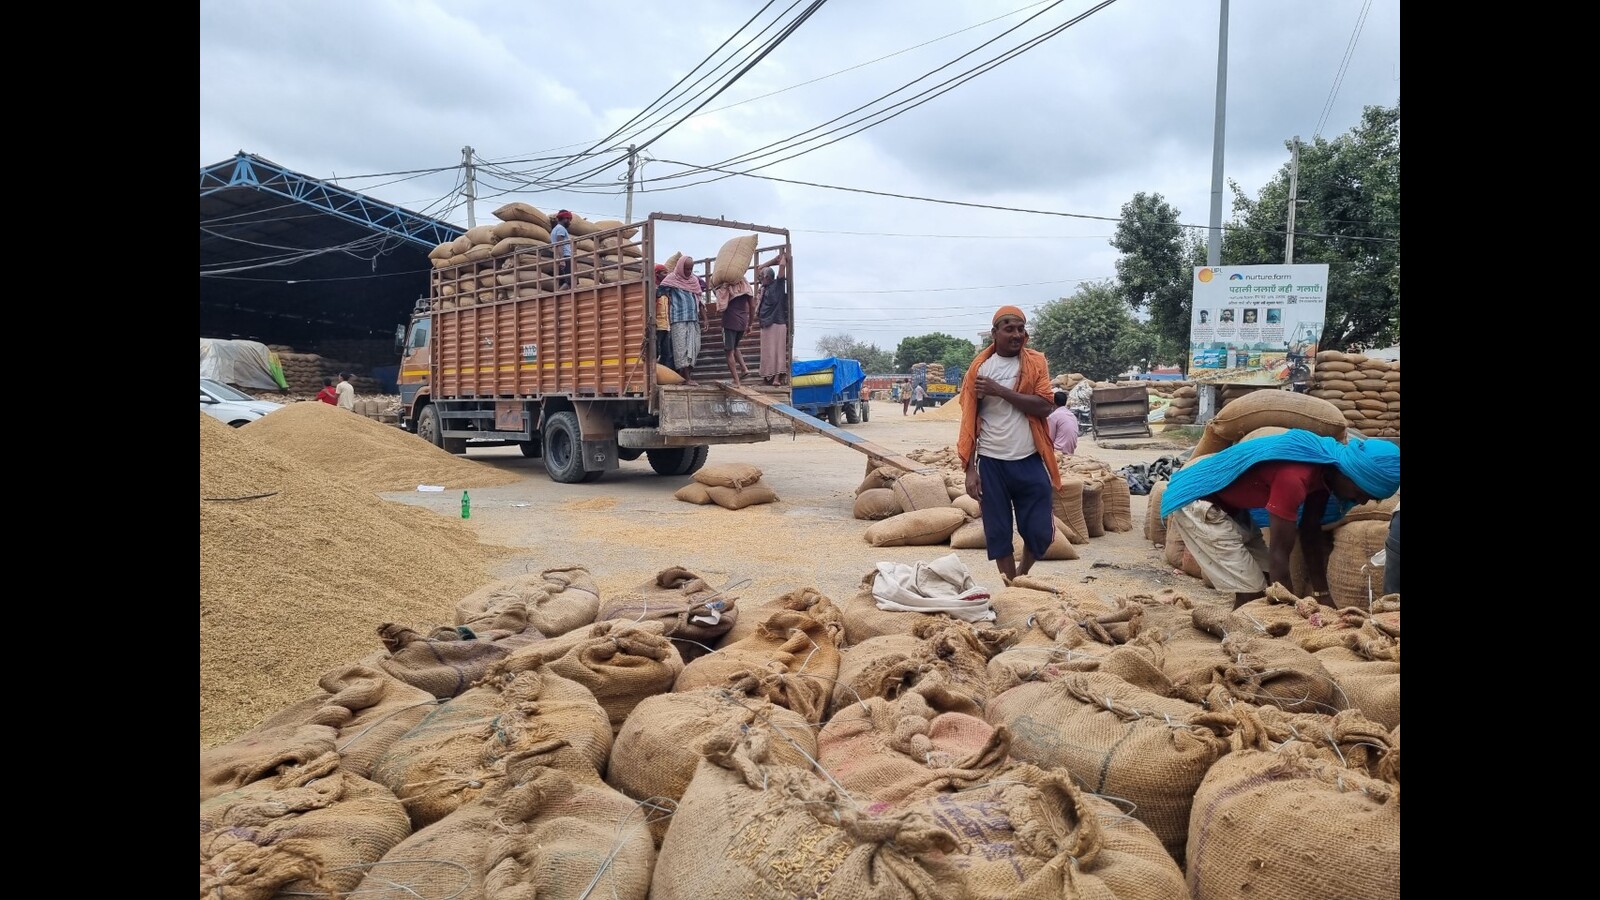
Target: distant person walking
[
  {"x": 919, "y": 396},
  {"x": 905, "y": 398},
  {"x": 772, "y": 314},
  {"x": 346, "y": 392},
  {"x": 328, "y": 394}
]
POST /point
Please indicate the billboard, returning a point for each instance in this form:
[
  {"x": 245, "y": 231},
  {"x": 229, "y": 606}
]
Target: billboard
[{"x": 1257, "y": 324}]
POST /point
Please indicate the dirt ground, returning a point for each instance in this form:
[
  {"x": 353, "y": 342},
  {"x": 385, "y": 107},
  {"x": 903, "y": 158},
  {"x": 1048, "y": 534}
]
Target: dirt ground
[{"x": 627, "y": 526}]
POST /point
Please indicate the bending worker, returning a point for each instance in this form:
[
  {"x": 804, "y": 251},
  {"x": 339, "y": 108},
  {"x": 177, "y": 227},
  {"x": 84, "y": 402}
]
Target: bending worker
[
  {"x": 1292, "y": 476},
  {"x": 1004, "y": 443}
]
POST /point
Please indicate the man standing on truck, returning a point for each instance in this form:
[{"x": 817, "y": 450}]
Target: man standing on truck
[
  {"x": 772, "y": 314},
  {"x": 1004, "y": 443},
  {"x": 561, "y": 241},
  {"x": 663, "y": 320},
  {"x": 683, "y": 311}
]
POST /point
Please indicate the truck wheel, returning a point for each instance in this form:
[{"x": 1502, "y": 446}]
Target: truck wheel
[
  {"x": 833, "y": 415},
  {"x": 629, "y": 454},
  {"x": 850, "y": 414},
  {"x": 866, "y": 411},
  {"x": 678, "y": 460},
  {"x": 563, "y": 456}
]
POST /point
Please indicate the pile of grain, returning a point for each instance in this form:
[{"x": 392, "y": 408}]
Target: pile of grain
[
  {"x": 363, "y": 453},
  {"x": 949, "y": 412},
  {"x": 298, "y": 570}
]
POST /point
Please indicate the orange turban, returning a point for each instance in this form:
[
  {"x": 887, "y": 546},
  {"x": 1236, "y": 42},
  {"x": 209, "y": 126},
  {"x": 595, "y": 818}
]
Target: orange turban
[{"x": 1004, "y": 311}]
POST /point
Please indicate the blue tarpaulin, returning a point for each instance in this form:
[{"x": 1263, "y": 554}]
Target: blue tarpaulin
[{"x": 847, "y": 379}]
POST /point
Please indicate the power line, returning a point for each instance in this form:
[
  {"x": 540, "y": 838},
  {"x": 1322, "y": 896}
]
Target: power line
[{"x": 1344, "y": 66}]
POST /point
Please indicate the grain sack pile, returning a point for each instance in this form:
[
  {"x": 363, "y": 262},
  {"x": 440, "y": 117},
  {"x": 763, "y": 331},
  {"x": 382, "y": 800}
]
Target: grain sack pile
[
  {"x": 1366, "y": 390},
  {"x": 513, "y": 259},
  {"x": 729, "y": 485}
]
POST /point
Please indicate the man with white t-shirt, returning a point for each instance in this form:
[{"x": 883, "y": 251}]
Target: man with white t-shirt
[{"x": 1004, "y": 443}]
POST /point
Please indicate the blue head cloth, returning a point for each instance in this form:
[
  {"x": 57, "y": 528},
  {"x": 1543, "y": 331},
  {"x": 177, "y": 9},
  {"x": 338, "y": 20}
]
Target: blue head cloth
[{"x": 1373, "y": 465}]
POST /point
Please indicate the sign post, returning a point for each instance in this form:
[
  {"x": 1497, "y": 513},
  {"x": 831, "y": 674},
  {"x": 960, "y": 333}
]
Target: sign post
[{"x": 1255, "y": 325}]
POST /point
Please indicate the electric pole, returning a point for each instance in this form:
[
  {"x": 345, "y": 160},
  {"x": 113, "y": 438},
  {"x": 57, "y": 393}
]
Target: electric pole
[
  {"x": 633, "y": 158},
  {"x": 472, "y": 186},
  {"x": 1294, "y": 190},
  {"x": 1214, "y": 245}
]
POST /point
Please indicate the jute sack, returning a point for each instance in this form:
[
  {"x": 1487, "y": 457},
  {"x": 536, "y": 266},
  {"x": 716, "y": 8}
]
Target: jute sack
[
  {"x": 1060, "y": 543},
  {"x": 622, "y": 666},
  {"x": 1211, "y": 440},
  {"x": 790, "y": 659},
  {"x": 509, "y": 245},
  {"x": 481, "y": 234},
  {"x": 780, "y": 831},
  {"x": 920, "y": 491},
  {"x": 359, "y": 710},
  {"x": 1155, "y": 527},
  {"x": 807, "y": 600},
  {"x": 1067, "y": 638},
  {"x": 1372, "y": 685},
  {"x": 938, "y": 655},
  {"x": 1067, "y": 504},
  {"x": 1256, "y": 669},
  {"x": 311, "y": 831},
  {"x": 739, "y": 498},
  {"x": 966, "y": 504},
  {"x": 530, "y": 836},
  {"x": 969, "y": 536},
  {"x": 449, "y": 757},
  {"x": 733, "y": 260},
  {"x": 557, "y": 600},
  {"x": 522, "y": 212},
  {"x": 1033, "y": 833},
  {"x": 444, "y": 662},
  {"x": 1116, "y": 503},
  {"x": 1130, "y": 740},
  {"x": 892, "y": 751},
  {"x": 729, "y": 475},
  {"x": 875, "y": 504},
  {"x": 1282, "y": 408},
  {"x": 520, "y": 229},
  {"x": 1335, "y": 365},
  {"x": 442, "y": 252},
  {"x": 1284, "y": 823},
  {"x": 863, "y": 619},
  {"x": 1093, "y": 509},
  {"x": 659, "y": 746},
  {"x": 882, "y": 477},
  {"x": 1371, "y": 511},
  {"x": 1352, "y": 578},
  {"x": 693, "y": 492},
  {"x": 690, "y": 611},
  {"x": 1172, "y": 551},
  {"x": 920, "y": 528}
]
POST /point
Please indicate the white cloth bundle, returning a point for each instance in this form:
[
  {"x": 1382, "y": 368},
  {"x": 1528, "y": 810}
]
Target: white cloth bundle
[{"x": 941, "y": 586}]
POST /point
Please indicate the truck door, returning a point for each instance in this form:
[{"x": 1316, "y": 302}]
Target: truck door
[{"x": 415, "y": 360}]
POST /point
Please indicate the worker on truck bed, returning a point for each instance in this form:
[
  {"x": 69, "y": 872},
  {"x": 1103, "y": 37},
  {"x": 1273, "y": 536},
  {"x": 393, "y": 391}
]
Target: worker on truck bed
[
  {"x": 561, "y": 242},
  {"x": 663, "y": 320},
  {"x": 1294, "y": 476},
  {"x": 1004, "y": 444},
  {"x": 683, "y": 309},
  {"x": 734, "y": 301},
  {"x": 772, "y": 313}
]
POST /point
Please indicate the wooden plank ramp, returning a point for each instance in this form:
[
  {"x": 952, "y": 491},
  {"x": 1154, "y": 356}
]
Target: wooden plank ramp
[{"x": 812, "y": 423}]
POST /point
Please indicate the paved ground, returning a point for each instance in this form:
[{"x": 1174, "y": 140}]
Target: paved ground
[{"x": 627, "y": 526}]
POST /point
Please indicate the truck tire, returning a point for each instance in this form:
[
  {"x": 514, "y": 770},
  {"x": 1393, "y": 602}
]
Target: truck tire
[
  {"x": 850, "y": 414},
  {"x": 563, "y": 450},
  {"x": 833, "y": 415},
  {"x": 866, "y": 411},
  {"x": 430, "y": 429},
  {"x": 629, "y": 454},
  {"x": 678, "y": 460},
  {"x": 532, "y": 449}
]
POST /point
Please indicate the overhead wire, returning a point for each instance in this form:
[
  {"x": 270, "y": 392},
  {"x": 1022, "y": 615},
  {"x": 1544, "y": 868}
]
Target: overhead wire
[{"x": 1344, "y": 66}]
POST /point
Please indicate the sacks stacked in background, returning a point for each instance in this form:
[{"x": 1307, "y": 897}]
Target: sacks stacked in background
[
  {"x": 730, "y": 486},
  {"x": 1366, "y": 391},
  {"x": 1183, "y": 405}
]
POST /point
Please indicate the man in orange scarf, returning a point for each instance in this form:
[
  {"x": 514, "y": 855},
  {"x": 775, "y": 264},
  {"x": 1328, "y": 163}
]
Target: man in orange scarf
[{"x": 1006, "y": 398}]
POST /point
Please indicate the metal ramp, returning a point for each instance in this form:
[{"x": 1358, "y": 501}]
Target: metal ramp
[{"x": 811, "y": 423}]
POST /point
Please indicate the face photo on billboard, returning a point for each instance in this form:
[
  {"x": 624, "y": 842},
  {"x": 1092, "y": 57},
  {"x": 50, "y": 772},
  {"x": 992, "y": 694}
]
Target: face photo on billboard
[
  {"x": 1250, "y": 317},
  {"x": 1227, "y": 315}
]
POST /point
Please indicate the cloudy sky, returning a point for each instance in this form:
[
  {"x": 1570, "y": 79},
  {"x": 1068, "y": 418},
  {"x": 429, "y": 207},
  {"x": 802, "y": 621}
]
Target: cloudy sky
[{"x": 382, "y": 95}]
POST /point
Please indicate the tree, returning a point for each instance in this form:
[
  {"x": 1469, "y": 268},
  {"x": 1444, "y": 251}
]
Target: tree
[
  {"x": 1156, "y": 271},
  {"x": 1348, "y": 216},
  {"x": 929, "y": 348},
  {"x": 1092, "y": 332},
  {"x": 873, "y": 358}
]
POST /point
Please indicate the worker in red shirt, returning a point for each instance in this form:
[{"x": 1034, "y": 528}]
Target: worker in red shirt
[{"x": 329, "y": 394}]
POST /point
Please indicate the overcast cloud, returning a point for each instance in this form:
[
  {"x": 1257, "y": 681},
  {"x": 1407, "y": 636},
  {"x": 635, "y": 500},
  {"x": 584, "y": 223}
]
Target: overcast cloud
[{"x": 1118, "y": 103}]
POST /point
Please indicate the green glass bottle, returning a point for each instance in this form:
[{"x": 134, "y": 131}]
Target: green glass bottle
[{"x": 466, "y": 505}]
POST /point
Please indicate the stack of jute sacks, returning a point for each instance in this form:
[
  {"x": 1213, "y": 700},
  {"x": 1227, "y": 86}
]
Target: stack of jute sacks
[
  {"x": 1366, "y": 390},
  {"x": 730, "y": 486},
  {"x": 1355, "y": 538},
  {"x": 513, "y": 258},
  {"x": 677, "y": 740}
]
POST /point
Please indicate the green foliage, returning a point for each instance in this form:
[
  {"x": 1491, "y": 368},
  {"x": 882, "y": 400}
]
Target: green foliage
[
  {"x": 1092, "y": 332},
  {"x": 1155, "y": 271},
  {"x": 1348, "y": 217},
  {"x": 927, "y": 348},
  {"x": 873, "y": 359}
]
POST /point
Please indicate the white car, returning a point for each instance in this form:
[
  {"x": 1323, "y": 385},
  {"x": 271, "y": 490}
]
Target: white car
[{"x": 234, "y": 407}]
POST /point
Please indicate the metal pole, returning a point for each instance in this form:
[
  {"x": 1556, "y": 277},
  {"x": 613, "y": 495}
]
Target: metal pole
[
  {"x": 472, "y": 186},
  {"x": 1294, "y": 192},
  {"x": 633, "y": 158},
  {"x": 1214, "y": 245}
]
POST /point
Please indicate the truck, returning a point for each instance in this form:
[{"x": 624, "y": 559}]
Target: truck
[
  {"x": 501, "y": 352},
  {"x": 829, "y": 388}
]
